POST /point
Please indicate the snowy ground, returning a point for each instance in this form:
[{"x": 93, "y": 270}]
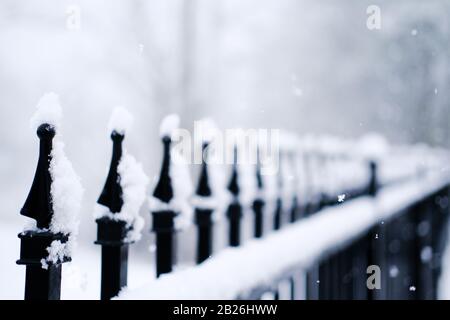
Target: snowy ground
[{"x": 81, "y": 278}]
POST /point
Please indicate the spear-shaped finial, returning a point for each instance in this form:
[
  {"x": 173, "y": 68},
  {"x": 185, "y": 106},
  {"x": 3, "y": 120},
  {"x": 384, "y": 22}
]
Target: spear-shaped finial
[
  {"x": 233, "y": 186},
  {"x": 164, "y": 189},
  {"x": 203, "y": 188},
  {"x": 111, "y": 195},
  {"x": 39, "y": 203}
]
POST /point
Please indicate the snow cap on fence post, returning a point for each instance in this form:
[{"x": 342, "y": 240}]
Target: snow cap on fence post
[
  {"x": 117, "y": 212},
  {"x": 53, "y": 201}
]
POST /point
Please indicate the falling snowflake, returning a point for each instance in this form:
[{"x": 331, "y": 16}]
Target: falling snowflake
[
  {"x": 393, "y": 271},
  {"x": 414, "y": 32},
  {"x": 426, "y": 254},
  {"x": 412, "y": 288},
  {"x": 376, "y": 236},
  {"x": 341, "y": 197}
]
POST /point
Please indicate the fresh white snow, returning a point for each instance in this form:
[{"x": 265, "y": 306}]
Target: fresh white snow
[
  {"x": 56, "y": 253},
  {"x": 48, "y": 111},
  {"x": 134, "y": 186},
  {"x": 66, "y": 190},
  {"x": 121, "y": 120},
  {"x": 169, "y": 124}
]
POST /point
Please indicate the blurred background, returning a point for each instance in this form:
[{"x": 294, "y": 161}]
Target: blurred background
[{"x": 303, "y": 65}]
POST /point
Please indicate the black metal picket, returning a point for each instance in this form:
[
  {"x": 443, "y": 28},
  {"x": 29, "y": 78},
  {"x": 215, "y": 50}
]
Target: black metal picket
[
  {"x": 112, "y": 233},
  {"x": 41, "y": 283},
  {"x": 204, "y": 216},
  {"x": 164, "y": 220},
  {"x": 234, "y": 212},
  {"x": 258, "y": 203}
]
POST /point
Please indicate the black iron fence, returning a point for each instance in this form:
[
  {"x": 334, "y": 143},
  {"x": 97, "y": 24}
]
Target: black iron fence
[{"x": 399, "y": 257}]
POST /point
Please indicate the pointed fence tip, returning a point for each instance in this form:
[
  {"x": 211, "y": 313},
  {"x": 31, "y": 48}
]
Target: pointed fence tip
[
  {"x": 111, "y": 196},
  {"x": 203, "y": 188},
  {"x": 38, "y": 204},
  {"x": 164, "y": 188}
]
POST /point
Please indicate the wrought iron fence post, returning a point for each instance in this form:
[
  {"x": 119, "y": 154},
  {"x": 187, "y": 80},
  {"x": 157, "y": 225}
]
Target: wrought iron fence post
[
  {"x": 234, "y": 212},
  {"x": 41, "y": 283},
  {"x": 111, "y": 233},
  {"x": 204, "y": 215},
  {"x": 164, "y": 220},
  {"x": 259, "y": 203}
]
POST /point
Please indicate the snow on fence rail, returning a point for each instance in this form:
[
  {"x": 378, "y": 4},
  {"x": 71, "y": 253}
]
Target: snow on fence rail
[
  {"x": 235, "y": 272},
  {"x": 324, "y": 202}
]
